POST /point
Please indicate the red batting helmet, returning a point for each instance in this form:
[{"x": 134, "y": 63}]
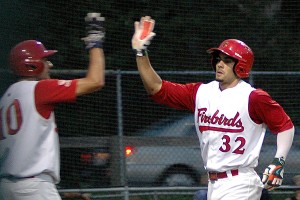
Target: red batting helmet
[
  {"x": 25, "y": 58},
  {"x": 239, "y": 51}
]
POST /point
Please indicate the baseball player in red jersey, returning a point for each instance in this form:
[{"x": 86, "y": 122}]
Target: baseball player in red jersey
[
  {"x": 230, "y": 118},
  {"x": 29, "y": 143}
]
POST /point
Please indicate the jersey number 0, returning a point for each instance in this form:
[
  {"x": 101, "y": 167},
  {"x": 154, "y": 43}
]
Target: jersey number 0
[{"x": 11, "y": 119}]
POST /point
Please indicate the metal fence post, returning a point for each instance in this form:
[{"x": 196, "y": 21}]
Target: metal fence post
[{"x": 121, "y": 134}]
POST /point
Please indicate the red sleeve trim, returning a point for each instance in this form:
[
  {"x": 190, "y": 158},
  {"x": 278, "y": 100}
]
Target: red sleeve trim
[{"x": 52, "y": 91}]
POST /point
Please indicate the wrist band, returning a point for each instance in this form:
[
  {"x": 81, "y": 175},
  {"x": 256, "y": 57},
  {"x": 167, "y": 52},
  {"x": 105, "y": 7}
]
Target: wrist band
[
  {"x": 141, "y": 53},
  {"x": 94, "y": 44}
]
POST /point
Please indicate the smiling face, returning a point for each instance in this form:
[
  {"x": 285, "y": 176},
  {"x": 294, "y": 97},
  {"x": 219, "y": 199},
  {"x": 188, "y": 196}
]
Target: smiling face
[{"x": 225, "y": 71}]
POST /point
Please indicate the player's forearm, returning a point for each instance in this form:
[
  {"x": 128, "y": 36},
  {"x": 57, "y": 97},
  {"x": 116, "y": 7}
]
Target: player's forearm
[
  {"x": 284, "y": 143},
  {"x": 95, "y": 78},
  {"x": 151, "y": 80},
  {"x": 95, "y": 34},
  {"x": 96, "y": 71}
]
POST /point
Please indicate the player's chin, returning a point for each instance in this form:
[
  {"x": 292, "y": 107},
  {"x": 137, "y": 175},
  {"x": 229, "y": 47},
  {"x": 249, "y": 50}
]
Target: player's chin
[{"x": 219, "y": 79}]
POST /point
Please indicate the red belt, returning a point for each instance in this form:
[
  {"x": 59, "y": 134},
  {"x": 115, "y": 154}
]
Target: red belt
[{"x": 213, "y": 176}]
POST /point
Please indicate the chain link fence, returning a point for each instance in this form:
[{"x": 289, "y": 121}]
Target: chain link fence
[
  {"x": 102, "y": 132},
  {"x": 118, "y": 137}
]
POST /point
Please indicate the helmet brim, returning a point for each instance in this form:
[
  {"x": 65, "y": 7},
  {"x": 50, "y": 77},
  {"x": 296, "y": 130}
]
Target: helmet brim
[
  {"x": 213, "y": 50},
  {"x": 49, "y": 53}
]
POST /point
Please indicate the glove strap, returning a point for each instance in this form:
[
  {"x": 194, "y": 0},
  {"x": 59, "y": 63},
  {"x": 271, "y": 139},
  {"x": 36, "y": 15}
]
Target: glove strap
[
  {"x": 141, "y": 52},
  {"x": 93, "y": 41},
  {"x": 278, "y": 161}
]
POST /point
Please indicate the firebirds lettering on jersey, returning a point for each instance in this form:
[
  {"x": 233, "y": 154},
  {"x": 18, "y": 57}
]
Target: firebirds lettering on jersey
[{"x": 217, "y": 120}]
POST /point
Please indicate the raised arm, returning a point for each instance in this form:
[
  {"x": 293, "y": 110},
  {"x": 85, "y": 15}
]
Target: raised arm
[
  {"x": 95, "y": 77},
  {"x": 141, "y": 38}
]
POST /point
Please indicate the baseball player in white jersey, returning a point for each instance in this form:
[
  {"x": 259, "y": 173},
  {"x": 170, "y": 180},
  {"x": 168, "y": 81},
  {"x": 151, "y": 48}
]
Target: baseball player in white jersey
[
  {"x": 230, "y": 117},
  {"x": 29, "y": 145}
]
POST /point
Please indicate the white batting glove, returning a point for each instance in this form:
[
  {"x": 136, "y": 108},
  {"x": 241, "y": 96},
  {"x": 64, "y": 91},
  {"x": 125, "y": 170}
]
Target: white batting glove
[
  {"x": 95, "y": 31},
  {"x": 273, "y": 174},
  {"x": 143, "y": 35}
]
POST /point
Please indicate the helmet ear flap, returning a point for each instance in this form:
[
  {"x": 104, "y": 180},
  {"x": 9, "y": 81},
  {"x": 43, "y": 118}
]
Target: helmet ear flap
[
  {"x": 241, "y": 70},
  {"x": 30, "y": 67},
  {"x": 34, "y": 67}
]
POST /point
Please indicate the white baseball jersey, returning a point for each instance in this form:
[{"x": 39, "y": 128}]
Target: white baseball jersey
[
  {"x": 228, "y": 137},
  {"x": 29, "y": 143},
  {"x": 231, "y": 125}
]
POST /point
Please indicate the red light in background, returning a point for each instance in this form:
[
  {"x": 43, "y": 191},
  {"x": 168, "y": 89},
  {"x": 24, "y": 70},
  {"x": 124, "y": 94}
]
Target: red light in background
[
  {"x": 86, "y": 157},
  {"x": 128, "y": 150}
]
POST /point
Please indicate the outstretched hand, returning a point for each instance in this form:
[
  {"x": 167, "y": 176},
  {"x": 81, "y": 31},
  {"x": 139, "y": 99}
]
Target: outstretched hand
[{"x": 143, "y": 34}]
